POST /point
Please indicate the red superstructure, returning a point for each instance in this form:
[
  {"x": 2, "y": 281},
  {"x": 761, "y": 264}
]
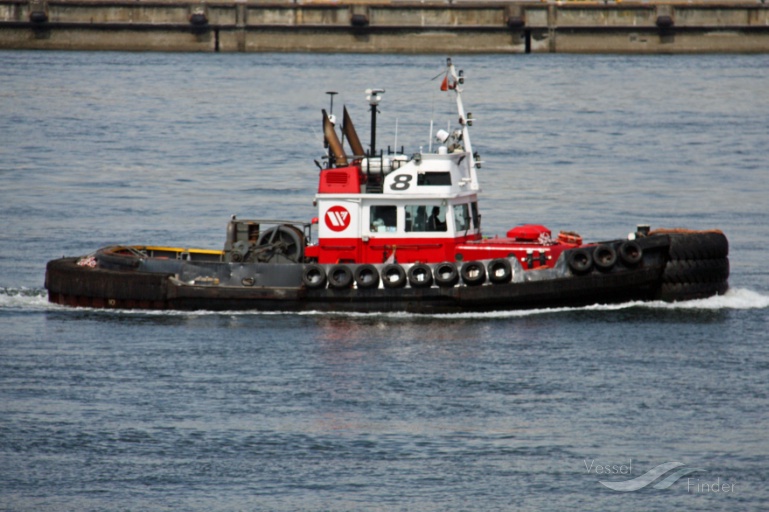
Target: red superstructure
[{"x": 419, "y": 208}]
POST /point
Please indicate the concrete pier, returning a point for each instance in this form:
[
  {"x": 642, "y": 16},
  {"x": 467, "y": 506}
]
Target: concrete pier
[{"x": 398, "y": 27}]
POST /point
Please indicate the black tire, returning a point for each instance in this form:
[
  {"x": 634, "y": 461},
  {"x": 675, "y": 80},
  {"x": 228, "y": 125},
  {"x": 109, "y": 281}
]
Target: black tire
[
  {"x": 314, "y": 276},
  {"x": 473, "y": 273},
  {"x": 393, "y": 276},
  {"x": 339, "y": 277},
  {"x": 631, "y": 253},
  {"x": 445, "y": 274},
  {"x": 366, "y": 276},
  {"x": 420, "y": 276},
  {"x": 698, "y": 246},
  {"x": 696, "y": 271},
  {"x": 580, "y": 261},
  {"x": 113, "y": 260},
  {"x": 604, "y": 257},
  {"x": 672, "y": 292},
  {"x": 500, "y": 271}
]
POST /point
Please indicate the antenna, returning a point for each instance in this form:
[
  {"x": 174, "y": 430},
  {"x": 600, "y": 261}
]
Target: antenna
[
  {"x": 331, "y": 116},
  {"x": 373, "y": 97},
  {"x": 395, "y": 144}
]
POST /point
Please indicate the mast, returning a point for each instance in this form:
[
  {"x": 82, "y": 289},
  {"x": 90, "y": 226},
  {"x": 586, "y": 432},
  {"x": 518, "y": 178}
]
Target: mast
[
  {"x": 465, "y": 120},
  {"x": 373, "y": 97}
]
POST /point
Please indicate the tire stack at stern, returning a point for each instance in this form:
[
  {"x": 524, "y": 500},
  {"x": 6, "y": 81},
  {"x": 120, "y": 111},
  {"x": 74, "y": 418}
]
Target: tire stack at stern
[{"x": 697, "y": 267}]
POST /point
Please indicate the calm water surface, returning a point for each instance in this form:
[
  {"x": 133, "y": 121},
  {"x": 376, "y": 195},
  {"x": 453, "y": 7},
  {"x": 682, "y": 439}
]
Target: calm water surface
[{"x": 503, "y": 411}]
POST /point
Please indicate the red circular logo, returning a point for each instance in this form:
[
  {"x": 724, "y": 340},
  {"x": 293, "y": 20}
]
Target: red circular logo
[{"x": 337, "y": 218}]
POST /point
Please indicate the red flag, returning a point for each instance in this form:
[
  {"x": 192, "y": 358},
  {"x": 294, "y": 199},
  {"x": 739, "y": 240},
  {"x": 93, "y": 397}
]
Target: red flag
[{"x": 445, "y": 83}]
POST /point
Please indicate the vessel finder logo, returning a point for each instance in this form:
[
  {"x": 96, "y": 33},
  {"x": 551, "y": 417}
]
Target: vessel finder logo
[
  {"x": 672, "y": 472},
  {"x": 337, "y": 218}
]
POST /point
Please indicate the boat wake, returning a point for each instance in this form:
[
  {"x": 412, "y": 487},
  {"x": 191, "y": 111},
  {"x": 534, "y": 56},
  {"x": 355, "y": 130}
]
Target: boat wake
[
  {"x": 738, "y": 298},
  {"x": 30, "y": 299},
  {"x": 36, "y": 299}
]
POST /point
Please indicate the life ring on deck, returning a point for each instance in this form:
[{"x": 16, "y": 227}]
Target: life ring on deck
[
  {"x": 473, "y": 273},
  {"x": 446, "y": 274},
  {"x": 569, "y": 237},
  {"x": 393, "y": 276},
  {"x": 580, "y": 261},
  {"x": 366, "y": 276},
  {"x": 314, "y": 276},
  {"x": 500, "y": 271},
  {"x": 339, "y": 277},
  {"x": 420, "y": 276},
  {"x": 604, "y": 257},
  {"x": 630, "y": 253}
]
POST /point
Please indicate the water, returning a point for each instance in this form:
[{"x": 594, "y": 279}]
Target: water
[{"x": 105, "y": 410}]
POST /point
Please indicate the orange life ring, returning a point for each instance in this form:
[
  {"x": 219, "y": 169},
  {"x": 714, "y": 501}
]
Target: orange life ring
[{"x": 569, "y": 237}]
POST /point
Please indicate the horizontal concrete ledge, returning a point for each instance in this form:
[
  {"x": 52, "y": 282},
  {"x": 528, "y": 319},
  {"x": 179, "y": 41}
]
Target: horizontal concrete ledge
[
  {"x": 435, "y": 27},
  {"x": 186, "y": 27},
  {"x": 439, "y": 15}
]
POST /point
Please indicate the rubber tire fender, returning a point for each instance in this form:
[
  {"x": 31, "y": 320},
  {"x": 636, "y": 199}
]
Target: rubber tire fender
[
  {"x": 366, "y": 276},
  {"x": 445, "y": 274},
  {"x": 580, "y": 261},
  {"x": 314, "y": 276},
  {"x": 420, "y": 270},
  {"x": 696, "y": 271},
  {"x": 631, "y": 253},
  {"x": 674, "y": 292},
  {"x": 339, "y": 277},
  {"x": 500, "y": 271},
  {"x": 390, "y": 270},
  {"x": 473, "y": 273},
  {"x": 604, "y": 257},
  {"x": 698, "y": 246}
]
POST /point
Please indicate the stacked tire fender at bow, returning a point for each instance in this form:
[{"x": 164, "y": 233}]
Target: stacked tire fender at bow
[{"x": 698, "y": 265}]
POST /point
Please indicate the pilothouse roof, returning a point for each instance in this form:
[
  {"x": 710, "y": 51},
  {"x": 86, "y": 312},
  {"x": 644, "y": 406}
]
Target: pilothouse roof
[{"x": 449, "y": 171}]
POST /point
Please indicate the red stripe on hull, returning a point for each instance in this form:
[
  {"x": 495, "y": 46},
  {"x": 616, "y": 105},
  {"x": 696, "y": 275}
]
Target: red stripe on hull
[{"x": 377, "y": 250}]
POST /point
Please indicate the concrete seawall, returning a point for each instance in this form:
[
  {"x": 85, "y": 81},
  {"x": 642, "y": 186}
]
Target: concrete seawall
[{"x": 431, "y": 27}]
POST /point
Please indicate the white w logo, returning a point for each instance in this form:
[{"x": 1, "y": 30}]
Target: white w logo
[{"x": 337, "y": 218}]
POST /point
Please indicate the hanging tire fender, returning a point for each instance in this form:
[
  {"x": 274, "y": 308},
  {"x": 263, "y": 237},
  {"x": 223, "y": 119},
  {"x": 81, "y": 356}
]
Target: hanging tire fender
[
  {"x": 604, "y": 257},
  {"x": 314, "y": 276},
  {"x": 630, "y": 253},
  {"x": 393, "y": 276},
  {"x": 446, "y": 274},
  {"x": 339, "y": 277},
  {"x": 473, "y": 273},
  {"x": 580, "y": 261},
  {"x": 500, "y": 271},
  {"x": 420, "y": 276},
  {"x": 366, "y": 276}
]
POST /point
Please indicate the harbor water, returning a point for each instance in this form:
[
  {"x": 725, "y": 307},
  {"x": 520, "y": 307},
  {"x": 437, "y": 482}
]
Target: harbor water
[{"x": 535, "y": 410}]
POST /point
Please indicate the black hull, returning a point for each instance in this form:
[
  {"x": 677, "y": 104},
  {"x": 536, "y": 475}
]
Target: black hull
[{"x": 673, "y": 267}]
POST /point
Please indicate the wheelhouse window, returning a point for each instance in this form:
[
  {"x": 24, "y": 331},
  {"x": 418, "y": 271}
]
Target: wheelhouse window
[
  {"x": 421, "y": 218},
  {"x": 384, "y": 219},
  {"x": 461, "y": 217},
  {"x": 476, "y": 215},
  {"x": 434, "y": 178}
]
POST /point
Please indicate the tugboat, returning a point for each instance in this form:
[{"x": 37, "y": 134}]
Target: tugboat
[{"x": 396, "y": 232}]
